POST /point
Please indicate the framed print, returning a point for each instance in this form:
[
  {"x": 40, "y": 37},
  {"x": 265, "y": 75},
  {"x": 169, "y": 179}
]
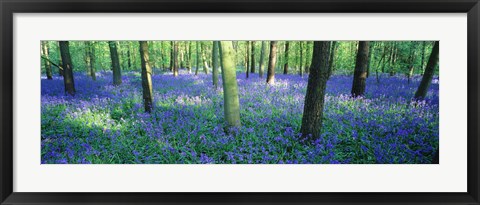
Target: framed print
[{"x": 260, "y": 102}]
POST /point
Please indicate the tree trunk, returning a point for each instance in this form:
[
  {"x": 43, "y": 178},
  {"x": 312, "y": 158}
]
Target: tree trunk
[
  {"x": 315, "y": 97},
  {"x": 252, "y": 64},
  {"x": 247, "y": 58},
  {"x": 172, "y": 56},
  {"x": 215, "y": 63},
  {"x": 48, "y": 66},
  {"x": 360, "y": 73},
  {"x": 285, "y": 66},
  {"x": 331, "y": 59},
  {"x": 182, "y": 56},
  {"x": 189, "y": 57},
  {"x": 429, "y": 72},
  {"x": 60, "y": 70},
  {"x": 411, "y": 61},
  {"x": 117, "y": 76},
  {"x": 272, "y": 60},
  {"x": 262, "y": 56},
  {"x": 197, "y": 58},
  {"x": 204, "y": 58},
  {"x": 370, "y": 49},
  {"x": 93, "y": 69},
  {"x": 146, "y": 77},
  {"x": 230, "y": 87},
  {"x": 301, "y": 59},
  {"x": 129, "y": 61},
  {"x": 423, "y": 55},
  {"x": 67, "y": 68},
  {"x": 175, "y": 58}
]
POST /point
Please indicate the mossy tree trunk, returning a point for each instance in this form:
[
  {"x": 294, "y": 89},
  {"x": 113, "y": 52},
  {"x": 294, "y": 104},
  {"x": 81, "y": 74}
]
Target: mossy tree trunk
[{"x": 230, "y": 87}]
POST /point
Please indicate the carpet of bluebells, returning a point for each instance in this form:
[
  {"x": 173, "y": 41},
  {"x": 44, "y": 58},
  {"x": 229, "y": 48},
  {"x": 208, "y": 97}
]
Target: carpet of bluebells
[{"x": 106, "y": 124}]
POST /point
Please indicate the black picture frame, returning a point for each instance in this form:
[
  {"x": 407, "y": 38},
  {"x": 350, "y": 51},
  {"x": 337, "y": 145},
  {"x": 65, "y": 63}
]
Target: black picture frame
[{"x": 9, "y": 7}]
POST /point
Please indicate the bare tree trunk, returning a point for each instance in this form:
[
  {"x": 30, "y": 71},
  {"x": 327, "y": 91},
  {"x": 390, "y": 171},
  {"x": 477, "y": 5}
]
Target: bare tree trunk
[
  {"x": 93, "y": 69},
  {"x": 429, "y": 72},
  {"x": 372, "y": 44},
  {"x": 331, "y": 59},
  {"x": 360, "y": 74},
  {"x": 247, "y": 58},
  {"x": 129, "y": 61},
  {"x": 252, "y": 64},
  {"x": 272, "y": 60},
  {"x": 423, "y": 55},
  {"x": 88, "y": 57},
  {"x": 262, "y": 56},
  {"x": 301, "y": 58},
  {"x": 48, "y": 66},
  {"x": 117, "y": 76},
  {"x": 67, "y": 68},
  {"x": 285, "y": 66},
  {"x": 198, "y": 58},
  {"x": 215, "y": 63},
  {"x": 175, "y": 58},
  {"x": 315, "y": 97},
  {"x": 60, "y": 70},
  {"x": 204, "y": 57},
  {"x": 146, "y": 77}
]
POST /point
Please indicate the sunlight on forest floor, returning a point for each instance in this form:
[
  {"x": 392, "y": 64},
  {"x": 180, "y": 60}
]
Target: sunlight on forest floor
[{"x": 106, "y": 124}]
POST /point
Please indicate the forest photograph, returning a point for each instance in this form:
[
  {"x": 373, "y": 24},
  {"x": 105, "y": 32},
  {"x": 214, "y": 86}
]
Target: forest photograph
[{"x": 239, "y": 102}]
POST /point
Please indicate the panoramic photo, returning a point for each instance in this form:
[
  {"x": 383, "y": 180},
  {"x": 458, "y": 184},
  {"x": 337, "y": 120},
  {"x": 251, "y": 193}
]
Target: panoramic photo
[{"x": 239, "y": 102}]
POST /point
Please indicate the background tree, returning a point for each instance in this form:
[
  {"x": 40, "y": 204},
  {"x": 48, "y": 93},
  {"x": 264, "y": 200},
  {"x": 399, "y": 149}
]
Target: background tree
[
  {"x": 315, "y": 97},
  {"x": 285, "y": 66},
  {"x": 197, "y": 57},
  {"x": 230, "y": 87},
  {"x": 215, "y": 63},
  {"x": 67, "y": 68},
  {"x": 262, "y": 56},
  {"x": 175, "y": 58},
  {"x": 272, "y": 60},
  {"x": 93, "y": 68},
  {"x": 146, "y": 77},
  {"x": 117, "y": 75},
  {"x": 331, "y": 60},
  {"x": 360, "y": 73},
  {"x": 301, "y": 59},
  {"x": 252, "y": 57},
  {"x": 247, "y": 58},
  {"x": 204, "y": 57},
  {"x": 90, "y": 59},
  {"x": 429, "y": 72},
  {"x": 48, "y": 66}
]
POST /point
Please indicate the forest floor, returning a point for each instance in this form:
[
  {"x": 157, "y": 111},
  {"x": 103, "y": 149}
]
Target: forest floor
[{"x": 106, "y": 124}]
